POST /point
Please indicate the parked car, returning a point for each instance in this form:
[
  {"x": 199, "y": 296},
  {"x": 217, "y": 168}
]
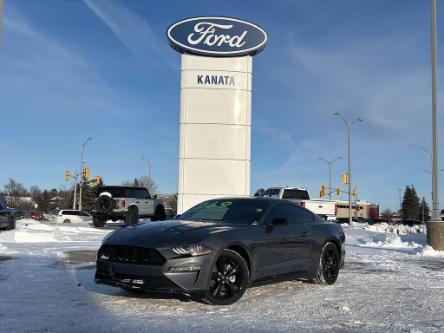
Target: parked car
[
  {"x": 128, "y": 203},
  {"x": 324, "y": 208},
  {"x": 220, "y": 247},
  {"x": 36, "y": 216},
  {"x": 7, "y": 219},
  {"x": 73, "y": 216}
]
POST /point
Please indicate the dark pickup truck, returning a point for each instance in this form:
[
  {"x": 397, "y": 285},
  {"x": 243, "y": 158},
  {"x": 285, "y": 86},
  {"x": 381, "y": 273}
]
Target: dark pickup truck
[{"x": 7, "y": 219}]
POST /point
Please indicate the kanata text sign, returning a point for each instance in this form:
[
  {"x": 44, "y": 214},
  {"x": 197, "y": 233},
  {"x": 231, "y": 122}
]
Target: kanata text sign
[{"x": 216, "y": 36}]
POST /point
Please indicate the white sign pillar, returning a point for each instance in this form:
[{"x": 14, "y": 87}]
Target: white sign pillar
[{"x": 215, "y": 128}]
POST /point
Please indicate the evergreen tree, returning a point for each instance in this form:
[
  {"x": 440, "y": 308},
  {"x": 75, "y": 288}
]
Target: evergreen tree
[
  {"x": 410, "y": 203},
  {"x": 44, "y": 201},
  {"x": 88, "y": 197},
  {"x": 424, "y": 211}
]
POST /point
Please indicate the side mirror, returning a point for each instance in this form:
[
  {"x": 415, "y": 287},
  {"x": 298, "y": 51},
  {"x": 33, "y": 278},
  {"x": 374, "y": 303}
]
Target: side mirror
[
  {"x": 279, "y": 221},
  {"x": 154, "y": 196}
]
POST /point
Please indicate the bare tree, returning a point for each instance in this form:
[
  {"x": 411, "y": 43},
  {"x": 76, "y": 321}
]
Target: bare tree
[
  {"x": 15, "y": 192},
  {"x": 142, "y": 181}
]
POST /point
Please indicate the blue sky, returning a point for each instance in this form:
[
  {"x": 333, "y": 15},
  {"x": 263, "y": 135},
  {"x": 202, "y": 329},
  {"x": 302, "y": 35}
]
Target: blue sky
[{"x": 103, "y": 68}]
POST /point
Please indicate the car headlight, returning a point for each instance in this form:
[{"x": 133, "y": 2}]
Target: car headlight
[{"x": 192, "y": 250}]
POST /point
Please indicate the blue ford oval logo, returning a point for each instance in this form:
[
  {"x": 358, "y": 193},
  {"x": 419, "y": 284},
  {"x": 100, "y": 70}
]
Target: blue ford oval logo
[{"x": 216, "y": 36}]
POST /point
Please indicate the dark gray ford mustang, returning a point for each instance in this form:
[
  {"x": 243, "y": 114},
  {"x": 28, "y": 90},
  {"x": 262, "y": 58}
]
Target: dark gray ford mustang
[{"x": 218, "y": 248}]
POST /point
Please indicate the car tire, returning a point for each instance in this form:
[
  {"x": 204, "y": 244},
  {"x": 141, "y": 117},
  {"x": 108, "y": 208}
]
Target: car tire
[
  {"x": 159, "y": 214},
  {"x": 132, "y": 216},
  {"x": 11, "y": 224},
  {"x": 228, "y": 280},
  {"x": 329, "y": 263},
  {"x": 66, "y": 221},
  {"x": 99, "y": 223}
]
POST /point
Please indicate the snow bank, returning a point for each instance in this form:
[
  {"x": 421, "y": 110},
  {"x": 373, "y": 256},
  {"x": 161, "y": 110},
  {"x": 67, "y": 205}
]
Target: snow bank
[
  {"x": 390, "y": 241},
  {"x": 429, "y": 251},
  {"x": 31, "y": 231}
]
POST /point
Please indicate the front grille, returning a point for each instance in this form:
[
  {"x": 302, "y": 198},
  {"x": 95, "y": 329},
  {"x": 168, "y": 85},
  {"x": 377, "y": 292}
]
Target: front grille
[{"x": 131, "y": 255}]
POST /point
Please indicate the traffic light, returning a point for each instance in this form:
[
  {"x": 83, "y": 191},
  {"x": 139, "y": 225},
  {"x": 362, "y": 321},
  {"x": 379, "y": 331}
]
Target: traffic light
[
  {"x": 355, "y": 193},
  {"x": 323, "y": 190},
  {"x": 67, "y": 175},
  {"x": 345, "y": 178},
  {"x": 86, "y": 173},
  {"x": 338, "y": 191},
  {"x": 98, "y": 180}
]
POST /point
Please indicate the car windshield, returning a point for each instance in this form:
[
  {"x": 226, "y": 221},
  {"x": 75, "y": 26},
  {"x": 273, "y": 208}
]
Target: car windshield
[{"x": 234, "y": 211}]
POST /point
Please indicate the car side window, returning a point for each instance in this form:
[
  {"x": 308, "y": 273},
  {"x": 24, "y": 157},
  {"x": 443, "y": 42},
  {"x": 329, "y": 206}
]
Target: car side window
[
  {"x": 146, "y": 194},
  {"x": 291, "y": 212},
  {"x": 298, "y": 215},
  {"x": 130, "y": 193},
  {"x": 275, "y": 212},
  {"x": 142, "y": 194},
  {"x": 2, "y": 204}
]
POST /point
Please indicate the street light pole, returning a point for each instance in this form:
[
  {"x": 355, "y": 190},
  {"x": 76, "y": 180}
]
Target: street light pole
[
  {"x": 76, "y": 174},
  {"x": 82, "y": 164},
  {"x": 349, "y": 132},
  {"x": 435, "y": 139},
  {"x": 435, "y": 227},
  {"x": 329, "y": 172},
  {"x": 149, "y": 173}
]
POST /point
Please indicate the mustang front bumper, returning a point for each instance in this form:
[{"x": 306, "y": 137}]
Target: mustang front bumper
[{"x": 189, "y": 274}]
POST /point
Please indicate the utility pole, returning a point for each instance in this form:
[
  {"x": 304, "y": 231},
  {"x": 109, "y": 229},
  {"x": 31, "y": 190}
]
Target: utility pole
[
  {"x": 435, "y": 228},
  {"x": 149, "y": 173},
  {"x": 76, "y": 175},
  {"x": 82, "y": 164},
  {"x": 349, "y": 132},
  {"x": 329, "y": 173}
]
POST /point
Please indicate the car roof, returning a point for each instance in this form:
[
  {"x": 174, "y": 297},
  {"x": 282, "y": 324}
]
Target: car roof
[
  {"x": 268, "y": 199},
  {"x": 123, "y": 186}
]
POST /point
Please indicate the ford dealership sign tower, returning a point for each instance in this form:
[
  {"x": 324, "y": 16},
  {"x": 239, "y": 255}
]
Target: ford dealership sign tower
[{"x": 215, "y": 106}]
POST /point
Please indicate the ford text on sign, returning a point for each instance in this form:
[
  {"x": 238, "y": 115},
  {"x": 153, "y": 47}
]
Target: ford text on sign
[{"x": 217, "y": 37}]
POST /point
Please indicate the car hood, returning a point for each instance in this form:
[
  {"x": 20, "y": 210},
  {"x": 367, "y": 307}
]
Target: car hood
[{"x": 167, "y": 233}]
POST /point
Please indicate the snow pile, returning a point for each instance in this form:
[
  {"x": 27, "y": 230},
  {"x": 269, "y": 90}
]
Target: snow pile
[
  {"x": 31, "y": 231},
  {"x": 429, "y": 251},
  {"x": 398, "y": 229},
  {"x": 390, "y": 241}
]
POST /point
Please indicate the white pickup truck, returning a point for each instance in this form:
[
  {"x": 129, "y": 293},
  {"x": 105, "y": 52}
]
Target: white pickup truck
[{"x": 324, "y": 208}]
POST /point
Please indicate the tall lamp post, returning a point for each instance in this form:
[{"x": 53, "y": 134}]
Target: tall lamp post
[
  {"x": 149, "y": 173},
  {"x": 82, "y": 165},
  {"x": 349, "y": 132},
  {"x": 424, "y": 149},
  {"x": 435, "y": 228},
  {"x": 329, "y": 172}
]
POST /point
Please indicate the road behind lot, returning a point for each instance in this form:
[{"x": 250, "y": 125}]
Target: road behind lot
[{"x": 390, "y": 283}]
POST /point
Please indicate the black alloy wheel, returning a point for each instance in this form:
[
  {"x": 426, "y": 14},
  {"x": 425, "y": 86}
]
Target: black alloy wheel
[
  {"x": 132, "y": 216},
  {"x": 66, "y": 221},
  {"x": 229, "y": 279},
  {"x": 328, "y": 269}
]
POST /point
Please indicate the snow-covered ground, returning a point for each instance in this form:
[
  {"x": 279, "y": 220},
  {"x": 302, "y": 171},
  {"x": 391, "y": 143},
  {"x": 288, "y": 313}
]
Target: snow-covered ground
[{"x": 392, "y": 282}]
